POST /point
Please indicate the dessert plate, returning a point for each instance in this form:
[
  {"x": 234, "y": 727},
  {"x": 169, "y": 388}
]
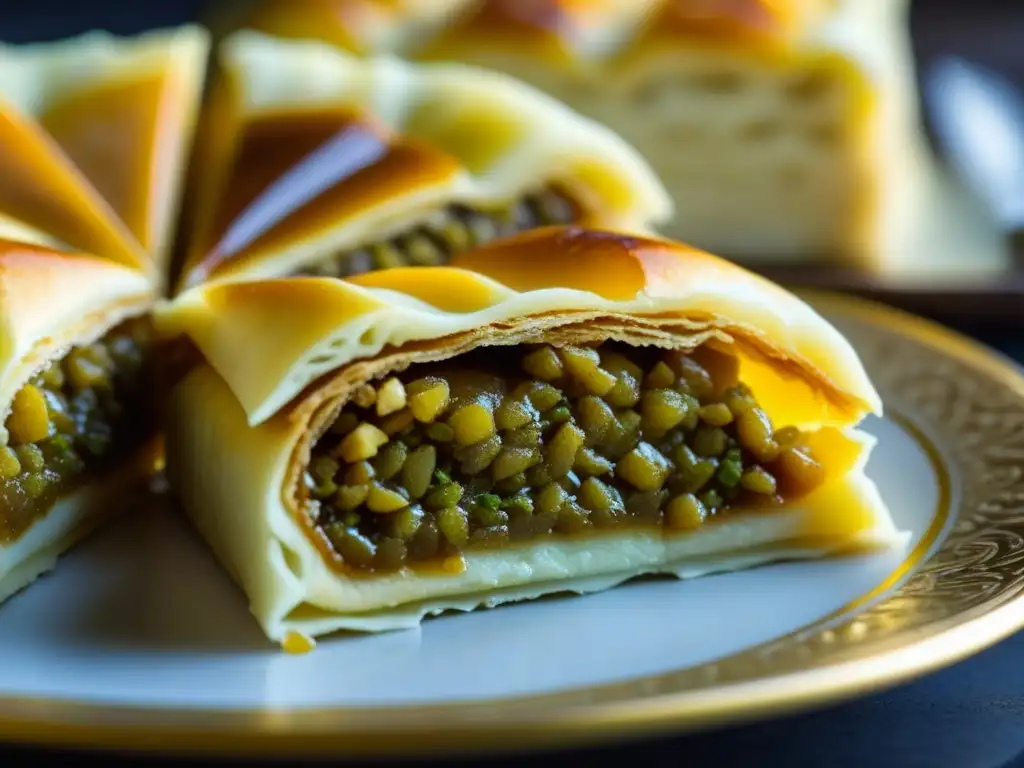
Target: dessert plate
[{"x": 139, "y": 641}]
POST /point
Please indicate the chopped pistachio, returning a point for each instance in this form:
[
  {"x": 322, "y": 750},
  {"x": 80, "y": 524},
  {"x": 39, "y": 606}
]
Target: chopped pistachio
[
  {"x": 362, "y": 443},
  {"x": 543, "y": 364},
  {"x": 383, "y": 500},
  {"x": 472, "y": 423},
  {"x": 685, "y": 513},
  {"x": 544, "y": 441},
  {"x": 583, "y": 364},
  {"x": 364, "y": 396},
  {"x": 428, "y": 398},
  {"x": 390, "y": 397},
  {"x": 644, "y": 468},
  {"x": 29, "y": 421}
]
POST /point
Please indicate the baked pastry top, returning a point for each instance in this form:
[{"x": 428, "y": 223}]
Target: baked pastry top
[
  {"x": 315, "y": 161},
  {"x": 556, "y": 411}
]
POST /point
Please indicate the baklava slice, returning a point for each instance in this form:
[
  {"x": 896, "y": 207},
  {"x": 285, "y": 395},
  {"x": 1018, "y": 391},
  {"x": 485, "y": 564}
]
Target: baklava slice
[
  {"x": 786, "y": 131},
  {"x": 95, "y": 132},
  {"x": 77, "y": 436},
  {"x": 314, "y": 161},
  {"x": 559, "y": 411}
]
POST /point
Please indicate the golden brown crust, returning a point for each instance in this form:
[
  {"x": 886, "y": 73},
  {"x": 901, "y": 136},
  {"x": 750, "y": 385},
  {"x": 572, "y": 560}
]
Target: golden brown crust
[
  {"x": 614, "y": 265},
  {"x": 550, "y": 30},
  {"x": 95, "y": 135},
  {"x": 556, "y": 30},
  {"x": 273, "y": 146},
  {"x": 52, "y": 300},
  {"x": 748, "y": 21},
  {"x": 335, "y": 23},
  {"x": 272, "y": 339},
  {"x": 360, "y": 26},
  {"x": 309, "y": 152}
]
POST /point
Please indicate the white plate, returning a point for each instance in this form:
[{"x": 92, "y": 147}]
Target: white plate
[
  {"x": 147, "y": 617},
  {"x": 141, "y": 636}
]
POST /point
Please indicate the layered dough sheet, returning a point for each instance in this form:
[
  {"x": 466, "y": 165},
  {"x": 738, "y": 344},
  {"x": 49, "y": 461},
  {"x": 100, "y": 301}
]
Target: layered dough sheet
[
  {"x": 72, "y": 346},
  {"x": 96, "y": 136},
  {"x": 230, "y": 479},
  {"x": 269, "y": 339},
  {"x": 646, "y": 351},
  {"x": 786, "y": 132},
  {"x": 309, "y": 153},
  {"x": 70, "y": 519}
]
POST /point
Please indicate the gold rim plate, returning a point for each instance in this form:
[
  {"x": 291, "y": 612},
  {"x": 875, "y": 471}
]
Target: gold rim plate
[{"x": 958, "y": 593}]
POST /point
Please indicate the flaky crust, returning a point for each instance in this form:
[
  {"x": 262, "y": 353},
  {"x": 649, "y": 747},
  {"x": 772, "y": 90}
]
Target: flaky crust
[
  {"x": 576, "y": 29},
  {"x": 397, "y": 142},
  {"x": 283, "y": 356},
  {"x": 785, "y": 132},
  {"x": 50, "y": 301},
  {"x": 237, "y": 484},
  {"x": 97, "y": 130},
  {"x": 361, "y": 26},
  {"x": 72, "y": 518},
  {"x": 272, "y": 339}
]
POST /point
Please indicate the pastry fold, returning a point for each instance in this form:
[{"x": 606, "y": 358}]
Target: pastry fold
[
  {"x": 558, "y": 411},
  {"x": 95, "y": 132},
  {"x": 313, "y": 161},
  {"x": 786, "y": 132},
  {"x": 76, "y": 438}
]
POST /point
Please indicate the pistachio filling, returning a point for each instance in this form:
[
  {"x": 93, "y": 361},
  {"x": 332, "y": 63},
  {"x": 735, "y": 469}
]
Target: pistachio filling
[
  {"x": 502, "y": 446},
  {"x": 450, "y": 231},
  {"x": 71, "y": 419}
]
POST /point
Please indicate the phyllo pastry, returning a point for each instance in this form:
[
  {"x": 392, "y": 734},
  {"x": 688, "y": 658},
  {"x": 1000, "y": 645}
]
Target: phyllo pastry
[
  {"x": 313, "y": 161},
  {"x": 557, "y": 411},
  {"x": 77, "y": 432},
  {"x": 787, "y": 131},
  {"x": 95, "y": 132}
]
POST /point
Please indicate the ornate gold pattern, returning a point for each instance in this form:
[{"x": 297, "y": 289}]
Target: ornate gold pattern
[{"x": 965, "y": 406}]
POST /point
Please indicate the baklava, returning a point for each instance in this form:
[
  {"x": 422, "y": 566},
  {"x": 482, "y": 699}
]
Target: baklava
[
  {"x": 558, "y": 411},
  {"x": 786, "y": 131},
  {"x": 77, "y": 436},
  {"x": 95, "y": 134},
  {"x": 313, "y": 161}
]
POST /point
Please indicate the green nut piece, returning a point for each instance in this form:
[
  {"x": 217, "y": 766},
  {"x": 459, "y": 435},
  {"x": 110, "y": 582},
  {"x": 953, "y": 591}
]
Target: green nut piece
[
  {"x": 390, "y": 459},
  {"x": 513, "y": 460},
  {"x": 453, "y": 523},
  {"x": 514, "y": 414},
  {"x": 685, "y": 513},
  {"x": 561, "y": 452},
  {"x": 9, "y": 464},
  {"x": 644, "y": 468},
  {"x": 543, "y": 364},
  {"x": 418, "y": 470},
  {"x": 472, "y": 423},
  {"x": 584, "y": 365},
  {"x": 662, "y": 410},
  {"x": 29, "y": 420},
  {"x": 445, "y": 495}
]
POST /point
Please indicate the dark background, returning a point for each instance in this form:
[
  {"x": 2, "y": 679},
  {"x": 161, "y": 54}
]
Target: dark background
[{"x": 968, "y": 716}]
